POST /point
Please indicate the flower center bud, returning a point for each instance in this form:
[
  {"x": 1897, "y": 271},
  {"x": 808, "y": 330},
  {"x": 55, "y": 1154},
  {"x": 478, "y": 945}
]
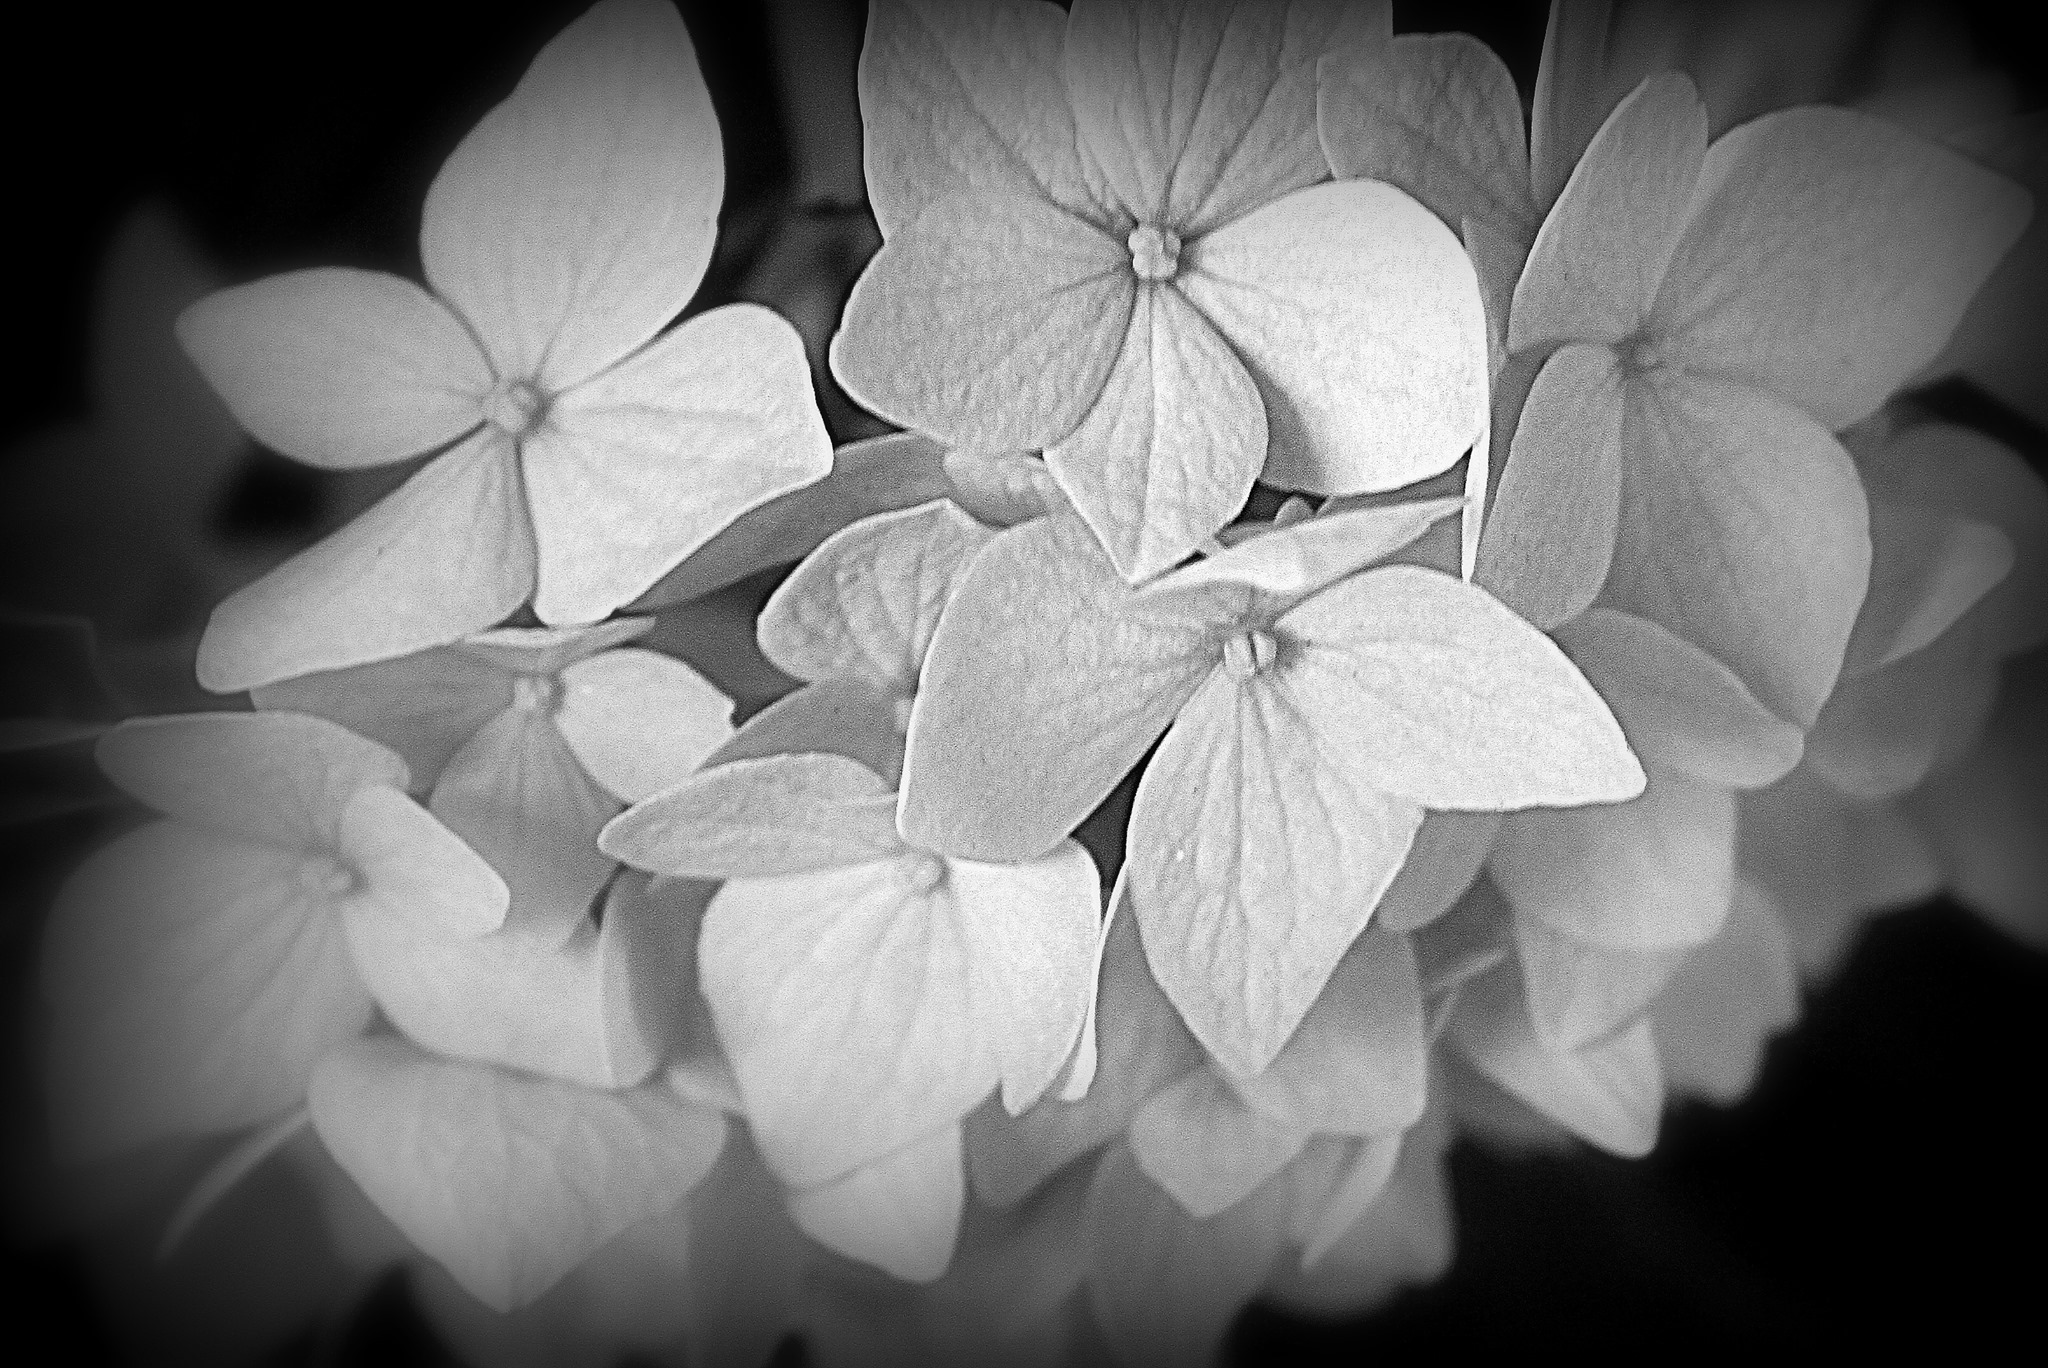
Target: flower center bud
[
  {"x": 1155, "y": 252},
  {"x": 515, "y": 407},
  {"x": 1643, "y": 352},
  {"x": 1250, "y": 652},
  {"x": 923, "y": 872},
  {"x": 536, "y": 693},
  {"x": 326, "y": 877}
]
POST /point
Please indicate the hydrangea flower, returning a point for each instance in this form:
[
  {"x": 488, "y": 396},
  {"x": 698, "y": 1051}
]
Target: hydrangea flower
[
  {"x": 1106, "y": 237},
  {"x": 526, "y": 741},
  {"x": 197, "y": 967},
  {"x": 582, "y": 452},
  {"x": 1278, "y": 809}
]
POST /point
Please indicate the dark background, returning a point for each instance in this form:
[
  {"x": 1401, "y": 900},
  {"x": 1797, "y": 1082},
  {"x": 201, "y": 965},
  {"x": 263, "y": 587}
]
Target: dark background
[{"x": 1885, "y": 1184}]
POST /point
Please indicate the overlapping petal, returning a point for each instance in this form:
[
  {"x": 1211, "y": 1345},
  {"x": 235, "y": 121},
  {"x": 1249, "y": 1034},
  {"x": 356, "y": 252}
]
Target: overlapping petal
[
  {"x": 447, "y": 553},
  {"x": 1360, "y": 316},
  {"x": 339, "y": 367},
  {"x": 633, "y": 470}
]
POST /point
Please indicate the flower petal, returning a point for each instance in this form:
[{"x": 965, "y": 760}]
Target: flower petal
[
  {"x": 900, "y": 1213},
  {"x": 1977, "y": 478},
  {"x": 1141, "y": 1047},
  {"x": 842, "y": 997},
  {"x": 1652, "y": 874},
  {"x": 1579, "y": 993},
  {"x": 843, "y": 716},
  {"x": 1726, "y": 1002},
  {"x": 578, "y": 216},
  {"x": 1829, "y": 256},
  {"x": 784, "y": 814},
  {"x": 1210, "y": 1151},
  {"x": 987, "y": 324},
  {"x": 1610, "y": 1094},
  {"x": 1197, "y": 114},
  {"x": 1042, "y": 630},
  {"x": 508, "y": 1182},
  {"x": 1258, "y": 850},
  {"x": 1603, "y": 250},
  {"x": 1449, "y": 850},
  {"x": 1173, "y": 444},
  {"x": 966, "y": 98},
  {"x": 195, "y": 980},
  {"x": 282, "y": 778},
  {"x": 1927, "y": 569},
  {"x": 1550, "y": 536},
  {"x": 1562, "y": 117},
  {"x": 1681, "y": 708},
  {"x": 416, "y": 869},
  {"x": 1031, "y": 932},
  {"x": 1357, "y": 1064},
  {"x": 1745, "y": 531},
  {"x": 424, "y": 706},
  {"x": 638, "y": 721},
  {"x": 1164, "y": 1287},
  {"x": 1304, "y": 557},
  {"x": 601, "y": 1010},
  {"x": 517, "y": 795},
  {"x": 1359, "y": 315},
  {"x": 1449, "y": 699},
  {"x": 337, "y": 367},
  {"x": 447, "y": 553},
  {"x": 867, "y": 601},
  {"x": 637, "y": 468},
  {"x": 1881, "y": 734},
  {"x": 1436, "y": 114}
]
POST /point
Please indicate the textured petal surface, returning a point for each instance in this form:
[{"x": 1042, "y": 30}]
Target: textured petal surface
[
  {"x": 1044, "y": 685},
  {"x": 1549, "y": 535},
  {"x": 867, "y": 601},
  {"x": 1300, "y": 558},
  {"x": 1359, "y": 315},
  {"x": 1602, "y": 252},
  {"x": 987, "y": 324},
  {"x": 784, "y": 814},
  {"x": 1170, "y": 450},
  {"x": 637, "y": 468},
  {"x": 1448, "y": 698},
  {"x": 339, "y": 367},
  {"x": 1258, "y": 849},
  {"x": 1196, "y": 114},
  {"x": 415, "y": 869},
  {"x": 840, "y": 997},
  {"x": 447, "y": 553},
  {"x": 578, "y": 216},
  {"x": 508, "y": 1182},
  {"x": 966, "y": 98}
]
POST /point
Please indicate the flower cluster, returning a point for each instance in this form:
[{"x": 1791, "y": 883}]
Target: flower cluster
[{"x": 1387, "y": 620}]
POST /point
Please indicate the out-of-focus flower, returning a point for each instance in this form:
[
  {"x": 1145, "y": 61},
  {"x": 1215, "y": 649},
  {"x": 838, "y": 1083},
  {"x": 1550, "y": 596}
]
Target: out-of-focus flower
[
  {"x": 585, "y": 454},
  {"x": 197, "y": 967},
  {"x": 1105, "y": 237}
]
